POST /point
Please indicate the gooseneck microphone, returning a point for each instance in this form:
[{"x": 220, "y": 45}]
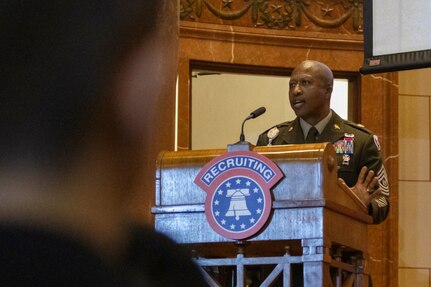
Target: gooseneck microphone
[{"x": 253, "y": 115}]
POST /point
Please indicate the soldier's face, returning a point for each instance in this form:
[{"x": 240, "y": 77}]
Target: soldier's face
[{"x": 309, "y": 93}]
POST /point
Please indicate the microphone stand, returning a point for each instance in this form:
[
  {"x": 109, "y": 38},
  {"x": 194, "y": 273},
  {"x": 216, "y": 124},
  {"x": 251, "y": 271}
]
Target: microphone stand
[{"x": 244, "y": 145}]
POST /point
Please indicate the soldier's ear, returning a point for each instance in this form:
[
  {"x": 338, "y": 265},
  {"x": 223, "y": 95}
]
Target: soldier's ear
[{"x": 329, "y": 89}]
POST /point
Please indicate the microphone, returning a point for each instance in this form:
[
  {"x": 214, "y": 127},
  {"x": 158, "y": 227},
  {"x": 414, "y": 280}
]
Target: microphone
[{"x": 253, "y": 115}]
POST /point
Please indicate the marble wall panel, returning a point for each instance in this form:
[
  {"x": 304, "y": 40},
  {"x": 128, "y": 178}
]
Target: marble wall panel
[
  {"x": 414, "y": 142},
  {"x": 416, "y": 277}
]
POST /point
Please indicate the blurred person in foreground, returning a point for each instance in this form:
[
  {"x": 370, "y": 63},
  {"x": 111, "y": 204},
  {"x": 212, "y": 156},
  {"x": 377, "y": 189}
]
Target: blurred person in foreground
[
  {"x": 70, "y": 146},
  {"x": 358, "y": 150}
]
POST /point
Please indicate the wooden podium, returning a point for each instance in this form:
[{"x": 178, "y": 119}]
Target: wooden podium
[{"x": 316, "y": 220}]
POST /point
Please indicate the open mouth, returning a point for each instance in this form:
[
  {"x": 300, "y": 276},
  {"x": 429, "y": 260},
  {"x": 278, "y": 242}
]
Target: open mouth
[{"x": 297, "y": 104}]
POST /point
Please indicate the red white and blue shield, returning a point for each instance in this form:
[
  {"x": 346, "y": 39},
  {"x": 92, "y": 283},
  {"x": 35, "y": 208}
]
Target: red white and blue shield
[{"x": 238, "y": 201}]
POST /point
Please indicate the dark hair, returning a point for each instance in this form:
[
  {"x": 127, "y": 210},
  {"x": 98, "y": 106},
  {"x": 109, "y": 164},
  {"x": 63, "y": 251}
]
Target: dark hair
[{"x": 56, "y": 57}]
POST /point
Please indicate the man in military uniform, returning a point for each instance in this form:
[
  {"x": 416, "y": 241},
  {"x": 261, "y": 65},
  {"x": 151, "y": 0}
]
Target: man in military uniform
[{"x": 357, "y": 149}]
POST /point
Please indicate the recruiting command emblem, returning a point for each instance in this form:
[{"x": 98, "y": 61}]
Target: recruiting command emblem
[{"x": 238, "y": 201}]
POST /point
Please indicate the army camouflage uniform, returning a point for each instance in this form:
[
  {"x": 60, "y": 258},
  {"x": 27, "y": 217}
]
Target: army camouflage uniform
[{"x": 355, "y": 147}]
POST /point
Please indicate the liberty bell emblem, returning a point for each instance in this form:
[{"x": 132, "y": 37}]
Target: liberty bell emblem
[{"x": 238, "y": 205}]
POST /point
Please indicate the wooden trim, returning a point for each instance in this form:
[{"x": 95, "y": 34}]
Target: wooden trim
[{"x": 271, "y": 37}]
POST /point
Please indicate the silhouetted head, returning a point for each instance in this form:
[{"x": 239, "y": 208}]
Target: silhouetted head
[{"x": 60, "y": 61}]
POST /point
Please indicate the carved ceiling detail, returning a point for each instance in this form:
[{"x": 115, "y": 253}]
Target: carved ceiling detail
[{"x": 276, "y": 14}]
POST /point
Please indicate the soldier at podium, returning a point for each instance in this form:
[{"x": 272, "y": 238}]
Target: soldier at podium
[{"x": 358, "y": 150}]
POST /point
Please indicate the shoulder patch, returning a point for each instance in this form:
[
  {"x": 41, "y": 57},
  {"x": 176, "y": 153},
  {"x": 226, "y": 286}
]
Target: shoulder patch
[{"x": 376, "y": 142}]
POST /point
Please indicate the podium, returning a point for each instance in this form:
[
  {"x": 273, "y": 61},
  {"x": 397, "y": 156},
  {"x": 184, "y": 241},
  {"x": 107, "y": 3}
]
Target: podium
[{"x": 316, "y": 220}]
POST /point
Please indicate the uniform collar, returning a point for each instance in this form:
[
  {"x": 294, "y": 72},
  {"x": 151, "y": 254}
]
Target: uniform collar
[
  {"x": 320, "y": 126},
  {"x": 333, "y": 131}
]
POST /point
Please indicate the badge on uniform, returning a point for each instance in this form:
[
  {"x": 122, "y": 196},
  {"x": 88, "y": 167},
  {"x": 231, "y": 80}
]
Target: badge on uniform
[
  {"x": 339, "y": 146},
  {"x": 345, "y": 147},
  {"x": 272, "y": 134},
  {"x": 348, "y": 146},
  {"x": 348, "y": 143},
  {"x": 346, "y": 159}
]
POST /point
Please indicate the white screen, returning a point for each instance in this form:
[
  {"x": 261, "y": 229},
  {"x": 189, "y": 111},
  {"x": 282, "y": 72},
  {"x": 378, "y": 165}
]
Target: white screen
[{"x": 401, "y": 26}]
